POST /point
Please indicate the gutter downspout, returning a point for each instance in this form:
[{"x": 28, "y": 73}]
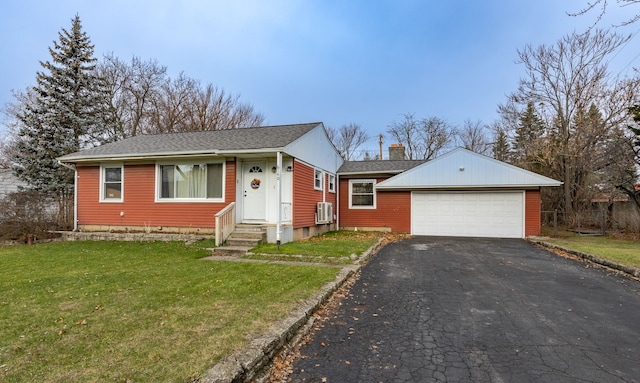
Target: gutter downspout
[
  {"x": 75, "y": 193},
  {"x": 337, "y": 201},
  {"x": 279, "y": 193}
]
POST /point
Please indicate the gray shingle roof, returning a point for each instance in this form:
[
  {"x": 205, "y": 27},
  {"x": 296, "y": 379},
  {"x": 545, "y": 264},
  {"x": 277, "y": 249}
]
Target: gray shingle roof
[
  {"x": 246, "y": 139},
  {"x": 384, "y": 166}
]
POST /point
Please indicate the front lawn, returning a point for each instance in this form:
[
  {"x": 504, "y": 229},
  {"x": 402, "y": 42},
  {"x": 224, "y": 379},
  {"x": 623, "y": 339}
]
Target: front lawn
[
  {"x": 332, "y": 247},
  {"x": 132, "y": 311},
  {"x": 626, "y": 252}
]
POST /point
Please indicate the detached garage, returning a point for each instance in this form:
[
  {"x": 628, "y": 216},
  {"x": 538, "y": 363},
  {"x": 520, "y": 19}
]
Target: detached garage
[{"x": 466, "y": 194}]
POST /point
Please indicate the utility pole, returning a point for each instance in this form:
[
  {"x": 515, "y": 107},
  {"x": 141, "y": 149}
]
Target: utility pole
[{"x": 380, "y": 147}]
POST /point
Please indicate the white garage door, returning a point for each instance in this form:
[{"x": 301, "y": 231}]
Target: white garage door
[{"x": 468, "y": 214}]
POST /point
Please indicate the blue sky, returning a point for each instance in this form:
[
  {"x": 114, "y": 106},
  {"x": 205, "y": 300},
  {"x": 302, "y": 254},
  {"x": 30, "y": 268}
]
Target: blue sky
[{"x": 340, "y": 62}]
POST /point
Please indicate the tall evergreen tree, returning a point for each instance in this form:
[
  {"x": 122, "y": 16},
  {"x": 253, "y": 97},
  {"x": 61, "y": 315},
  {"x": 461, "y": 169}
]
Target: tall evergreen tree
[
  {"x": 501, "y": 150},
  {"x": 530, "y": 129},
  {"x": 66, "y": 111}
]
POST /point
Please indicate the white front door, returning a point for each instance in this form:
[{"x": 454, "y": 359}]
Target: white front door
[{"x": 254, "y": 190}]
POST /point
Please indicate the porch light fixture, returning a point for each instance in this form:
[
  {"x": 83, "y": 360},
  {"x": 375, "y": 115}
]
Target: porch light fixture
[
  {"x": 288, "y": 168},
  {"x": 461, "y": 168}
]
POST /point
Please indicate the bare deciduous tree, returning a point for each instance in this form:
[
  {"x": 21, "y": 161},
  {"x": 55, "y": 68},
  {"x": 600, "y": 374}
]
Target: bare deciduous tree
[
  {"x": 423, "y": 138},
  {"x": 146, "y": 101},
  {"x": 406, "y": 132},
  {"x": 436, "y": 135},
  {"x": 347, "y": 139},
  {"x": 603, "y": 5},
  {"x": 173, "y": 106},
  {"x": 135, "y": 88},
  {"x": 473, "y": 136},
  {"x": 579, "y": 103}
]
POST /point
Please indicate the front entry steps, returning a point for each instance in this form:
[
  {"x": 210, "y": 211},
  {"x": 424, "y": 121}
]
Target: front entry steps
[{"x": 243, "y": 239}]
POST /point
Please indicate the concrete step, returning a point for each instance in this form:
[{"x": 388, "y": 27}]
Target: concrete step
[
  {"x": 241, "y": 241},
  {"x": 253, "y": 228},
  {"x": 232, "y": 250},
  {"x": 260, "y": 235}
]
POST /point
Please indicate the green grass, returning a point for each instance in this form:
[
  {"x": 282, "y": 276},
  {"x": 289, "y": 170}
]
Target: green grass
[
  {"x": 131, "y": 311},
  {"x": 332, "y": 247},
  {"x": 626, "y": 252}
]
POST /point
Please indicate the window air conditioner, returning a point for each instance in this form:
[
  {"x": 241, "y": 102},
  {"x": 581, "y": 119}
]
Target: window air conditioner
[{"x": 324, "y": 213}]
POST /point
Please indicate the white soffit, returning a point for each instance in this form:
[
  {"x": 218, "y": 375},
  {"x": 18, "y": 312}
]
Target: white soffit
[{"x": 465, "y": 169}]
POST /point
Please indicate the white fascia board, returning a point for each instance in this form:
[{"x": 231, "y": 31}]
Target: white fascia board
[
  {"x": 156, "y": 156},
  {"x": 237, "y": 153},
  {"x": 458, "y": 187},
  {"x": 141, "y": 156}
]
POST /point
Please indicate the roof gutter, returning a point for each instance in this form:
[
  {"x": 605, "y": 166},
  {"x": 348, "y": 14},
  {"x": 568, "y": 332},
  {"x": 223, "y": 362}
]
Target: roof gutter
[
  {"x": 251, "y": 151},
  {"x": 157, "y": 156},
  {"x": 459, "y": 187}
]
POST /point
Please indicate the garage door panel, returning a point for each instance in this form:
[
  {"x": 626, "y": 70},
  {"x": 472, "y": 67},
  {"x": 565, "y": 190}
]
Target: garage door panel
[{"x": 469, "y": 214}]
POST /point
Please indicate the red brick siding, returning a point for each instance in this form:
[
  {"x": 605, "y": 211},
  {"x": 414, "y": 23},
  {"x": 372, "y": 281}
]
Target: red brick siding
[
  {"x": 532, "y": 212},
  {"x": 139, "y": 204},
  {"x": 393, "y": 210}
]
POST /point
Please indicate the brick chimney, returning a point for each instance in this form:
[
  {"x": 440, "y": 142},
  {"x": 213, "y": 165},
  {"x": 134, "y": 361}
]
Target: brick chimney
[{"x": 396, "y": 152}]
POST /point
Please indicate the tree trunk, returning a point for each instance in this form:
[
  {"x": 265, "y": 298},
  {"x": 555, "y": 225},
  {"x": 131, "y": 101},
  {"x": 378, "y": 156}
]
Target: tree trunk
[{"x": 566, "y": 191}]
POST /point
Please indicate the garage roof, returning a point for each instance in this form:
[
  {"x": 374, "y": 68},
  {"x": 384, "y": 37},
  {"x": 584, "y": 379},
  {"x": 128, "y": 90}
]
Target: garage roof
[
  {"x": 464, "y": 169},
  {"x": 377, "y": 167}
]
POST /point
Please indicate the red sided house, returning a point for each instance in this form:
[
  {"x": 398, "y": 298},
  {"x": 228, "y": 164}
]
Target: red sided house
[
  {"x": 291, "y": 180},
  {"x": 180, "y": 182}
]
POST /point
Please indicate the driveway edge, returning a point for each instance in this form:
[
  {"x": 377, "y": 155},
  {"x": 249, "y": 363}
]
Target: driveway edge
[
  {"x": 245, "y": 364},
  {"x": 630, "y": 271}
]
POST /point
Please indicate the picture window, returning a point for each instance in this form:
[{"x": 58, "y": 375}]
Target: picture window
[{"x": 191, "y": 181}]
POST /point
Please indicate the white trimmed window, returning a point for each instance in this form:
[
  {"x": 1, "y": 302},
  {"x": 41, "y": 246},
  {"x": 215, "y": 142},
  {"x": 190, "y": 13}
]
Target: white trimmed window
[
  {"x": 332, "y": 183},
  {"x": 362, "y": 194},
  {"x": 317, "y": 179},
  {"x": 191, "y": 181},
  {"x": 111, "y": 183}
]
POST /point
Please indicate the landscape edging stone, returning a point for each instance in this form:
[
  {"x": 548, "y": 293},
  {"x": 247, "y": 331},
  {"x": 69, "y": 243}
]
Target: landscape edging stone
[{"x": 632, "y": 271}]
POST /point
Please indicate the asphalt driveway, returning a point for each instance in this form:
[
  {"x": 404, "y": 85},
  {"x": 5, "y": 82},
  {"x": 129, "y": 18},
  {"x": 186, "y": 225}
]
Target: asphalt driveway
[{"x": 478, "y": 310}]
